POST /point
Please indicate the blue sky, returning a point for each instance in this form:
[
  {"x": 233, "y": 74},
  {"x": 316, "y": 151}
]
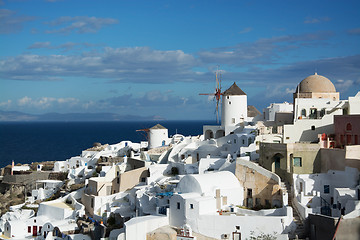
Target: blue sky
[{"x": 154, "y": 57}]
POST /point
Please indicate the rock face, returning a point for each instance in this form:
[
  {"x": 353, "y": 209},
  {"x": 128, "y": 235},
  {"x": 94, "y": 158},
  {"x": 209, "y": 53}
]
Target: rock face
[
  {"x": 162, "y": 233},
  {"x": 13, "y": 196}
]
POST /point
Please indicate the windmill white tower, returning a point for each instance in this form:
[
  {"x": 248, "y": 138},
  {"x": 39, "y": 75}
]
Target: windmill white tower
[{"x": 234, "y": 108}]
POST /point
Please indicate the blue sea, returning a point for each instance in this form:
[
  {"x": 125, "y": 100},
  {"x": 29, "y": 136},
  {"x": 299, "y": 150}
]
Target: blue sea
[{"x": 27, "y": 142}]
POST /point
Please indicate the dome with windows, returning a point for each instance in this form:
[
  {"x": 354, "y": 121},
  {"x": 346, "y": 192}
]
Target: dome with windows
[{"x": 316, "y": 83}]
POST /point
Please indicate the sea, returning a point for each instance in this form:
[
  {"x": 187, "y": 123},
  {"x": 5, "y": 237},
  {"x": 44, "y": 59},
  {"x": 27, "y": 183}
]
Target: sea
[{"x": 27, "y": 142}]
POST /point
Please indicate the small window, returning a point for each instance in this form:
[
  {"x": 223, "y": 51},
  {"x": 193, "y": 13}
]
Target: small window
[
  {"x": 313, "y": 127},
  {"x": 233, "y": 120},
  {"x": 326, "y": 189},
  {"x": 29, "y": 229},
  {"x": 178, "y": 205},
  {"x": 118, "y": 180},
  {"x": 322, "y": 112},
  {"x": 348, "y": 127},
  {"x": 297, "y": 162},
  {"x": 191, "y": 206},
  {"x": 249, "y": 193},
  {"x": 143, "y": 179},
  {"x": 234, "y": 140},
  {"x": 303, "y": 112},
  {"x": 243, "y": 141}
]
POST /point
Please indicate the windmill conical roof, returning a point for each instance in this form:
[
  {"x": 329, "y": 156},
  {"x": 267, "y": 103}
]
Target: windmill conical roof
[
  {"x": 158, "y": 126},
  {"x": 234, "y": 90}
]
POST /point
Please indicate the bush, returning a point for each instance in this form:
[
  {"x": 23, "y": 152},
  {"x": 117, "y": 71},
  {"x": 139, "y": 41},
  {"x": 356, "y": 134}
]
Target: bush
[{"x": 98, "y": 169}]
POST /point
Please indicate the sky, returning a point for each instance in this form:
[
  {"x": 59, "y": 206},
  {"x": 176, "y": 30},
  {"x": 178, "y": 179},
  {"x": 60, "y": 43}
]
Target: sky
[{"x": 153, "y": 58}]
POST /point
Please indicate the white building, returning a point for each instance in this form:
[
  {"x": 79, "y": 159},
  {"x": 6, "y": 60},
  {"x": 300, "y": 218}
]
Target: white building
[
  {"x": 158, "y": 136},
  {"x": 233, "y": 113},
  {"x": 315, "y": 104},
  {"x": 332, "y": 193},
  {"x": 210, "y": 202},
  {"x": 269, "y": 113},
  {"x": 45, "y": 189},
  {"x": 204, "y": 193}
]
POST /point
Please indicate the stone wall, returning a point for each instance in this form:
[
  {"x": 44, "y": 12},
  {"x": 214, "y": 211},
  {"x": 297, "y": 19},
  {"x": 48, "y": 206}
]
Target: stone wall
[{"x": 263, "y": 184}]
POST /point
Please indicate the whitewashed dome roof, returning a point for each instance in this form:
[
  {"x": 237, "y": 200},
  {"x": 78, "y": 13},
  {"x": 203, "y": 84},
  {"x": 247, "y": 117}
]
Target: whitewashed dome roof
[{"x": 316, "y": 83}]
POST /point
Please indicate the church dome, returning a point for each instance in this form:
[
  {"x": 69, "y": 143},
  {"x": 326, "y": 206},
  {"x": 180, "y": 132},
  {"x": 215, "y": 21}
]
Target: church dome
[{"x": 316, "y": 83}]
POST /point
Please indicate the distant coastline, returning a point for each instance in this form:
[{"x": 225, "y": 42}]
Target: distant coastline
[
  {"x": 13, "y": 116},
  {"x": 38, "y": 141}
]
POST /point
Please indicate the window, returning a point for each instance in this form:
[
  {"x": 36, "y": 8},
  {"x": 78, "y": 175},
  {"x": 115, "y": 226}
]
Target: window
[
  {"x": 92, "y": 203},
  {"x": 229, "y": 102},
  {"x": 29, "y": 229},
  {"x": 191, "y": 206},
  {"x": 249, "y": 193},
  {"x": 143, "y": 179},
  {"x": 303, "y": 112},
  {"x": 313, "y": 127},
  {"x": 322, "y": 112},
  {"x": 118, "y": 180},
  {"x": 326, "y": 189},
  {"x": 234, "y": 140},
  {"x": 313, "y": 113},
  {"x": 233, "y": 120},
  {"x": 243, "y": 141},
  {"x": 178, "y": 205},
  {"x": 297, "y": 162},
  {"x": 348, "y": 127}
]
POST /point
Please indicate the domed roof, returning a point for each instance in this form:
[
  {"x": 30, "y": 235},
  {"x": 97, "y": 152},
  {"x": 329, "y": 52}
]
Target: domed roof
[{"x": 316, "y": 83}]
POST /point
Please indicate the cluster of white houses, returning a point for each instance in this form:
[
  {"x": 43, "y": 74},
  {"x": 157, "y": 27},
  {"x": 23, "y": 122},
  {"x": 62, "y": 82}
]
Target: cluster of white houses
[{"x": 248, "y": 177}]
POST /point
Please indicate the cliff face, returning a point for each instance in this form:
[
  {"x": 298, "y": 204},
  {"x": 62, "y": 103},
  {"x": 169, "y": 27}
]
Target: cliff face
[{"x": 12, "y": 195}]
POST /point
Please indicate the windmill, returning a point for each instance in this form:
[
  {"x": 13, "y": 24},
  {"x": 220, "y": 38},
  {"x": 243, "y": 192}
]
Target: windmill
[{"x": 217, "y": 94}]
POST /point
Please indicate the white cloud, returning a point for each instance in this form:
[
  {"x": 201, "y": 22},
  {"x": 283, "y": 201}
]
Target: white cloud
[
  {"x": 40, "y": 45},
  {"x": 246, "y": 30},
  {"x": 138, "y": 64},
  {"x": 343, "y": 85},
  {"x": 311, "y": 20},
  {"x": 46, "y": 102},
  {"x": 24, "y": 101},
  {"x": 80, "y": 24},
  {"x": 11, "y": 22},
  {"x": 262, "y": 51},
  {"x": 6, "y": 104},
  {"x": 354, "y": 31}
]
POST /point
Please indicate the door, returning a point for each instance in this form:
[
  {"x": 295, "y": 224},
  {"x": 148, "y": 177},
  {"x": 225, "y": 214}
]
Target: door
[
  {"x": 348, "y": 140},
  {"x": 34, "y": 230}
]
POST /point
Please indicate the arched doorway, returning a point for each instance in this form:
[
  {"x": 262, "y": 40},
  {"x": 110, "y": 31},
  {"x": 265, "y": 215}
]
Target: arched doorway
[
  {"x": 220, "y": 133},
  {"x": 276, "y": 163},
  {"x": 209, "y": 134}
]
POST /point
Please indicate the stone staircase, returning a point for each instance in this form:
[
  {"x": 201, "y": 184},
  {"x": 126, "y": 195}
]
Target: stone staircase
[{"x": 300, "y": 231}]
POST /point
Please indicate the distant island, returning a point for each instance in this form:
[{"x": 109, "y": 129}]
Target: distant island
[{"x": 13, "y": 116}]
